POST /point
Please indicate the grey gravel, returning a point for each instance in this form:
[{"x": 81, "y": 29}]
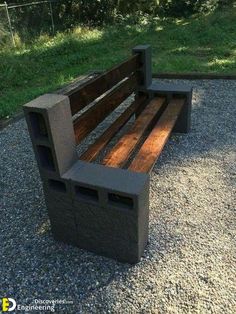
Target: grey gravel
[{"x": 190, "y": 263}]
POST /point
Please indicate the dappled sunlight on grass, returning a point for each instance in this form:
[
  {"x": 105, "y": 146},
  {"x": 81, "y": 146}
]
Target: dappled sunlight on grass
[
  {"x": 221, "y": 62},
  {"x": 203, "y": 44},
  {"x": 159, "y": 28}
]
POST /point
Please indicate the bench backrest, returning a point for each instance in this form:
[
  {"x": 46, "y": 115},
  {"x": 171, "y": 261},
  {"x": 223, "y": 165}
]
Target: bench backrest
[{"x": 107, "y": 91}]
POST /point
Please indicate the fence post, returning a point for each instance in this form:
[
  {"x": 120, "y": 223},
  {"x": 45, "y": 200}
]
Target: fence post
[
  {"x": 51, "y": 12},
  {"x": 10, "y": 26}
]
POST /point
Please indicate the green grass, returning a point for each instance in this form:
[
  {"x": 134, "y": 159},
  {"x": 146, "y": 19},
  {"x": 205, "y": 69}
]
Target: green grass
[{"x": 200, "y": 44}]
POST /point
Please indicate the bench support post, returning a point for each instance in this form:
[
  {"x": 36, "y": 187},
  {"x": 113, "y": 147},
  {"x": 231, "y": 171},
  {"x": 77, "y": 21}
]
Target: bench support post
[
  {"x": 91, "y": 206},
  {"x": 51, "y": 130},
  {"x": 145, "y": 52},
  {"x": 111, "y": 213}
]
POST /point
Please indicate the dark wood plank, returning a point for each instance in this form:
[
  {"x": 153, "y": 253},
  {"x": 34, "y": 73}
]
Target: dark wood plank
[
  {"x": 90, "y": 119},
  {"x": 92, "y": 152},
  {"x": 77, "y": 83},
  {"x": 152, "y": 147},
  {"x": 82, "y": 96},
  {"x": 120, "y": 153}
]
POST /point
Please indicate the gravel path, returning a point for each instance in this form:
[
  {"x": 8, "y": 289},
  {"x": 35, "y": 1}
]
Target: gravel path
[{"x": 190, "y": 263}]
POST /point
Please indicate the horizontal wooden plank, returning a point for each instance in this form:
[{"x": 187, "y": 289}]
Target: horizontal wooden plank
[
  {"x": 120, "y": 153},
  {"x": 78, "y": 82},
  {"x": 152, "y": 147},
  {"x": 82, "y": 96},
  {"x": 92, "y": 152},
  {"x": 90, "y": 119}
]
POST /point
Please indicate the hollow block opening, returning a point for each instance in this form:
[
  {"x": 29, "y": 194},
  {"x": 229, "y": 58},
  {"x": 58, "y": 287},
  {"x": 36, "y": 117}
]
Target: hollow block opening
[
  {"x": 38, "y": 125},
  {"x": 120, "y": 201},
  {"x": 46, "y": 158},
  {"x": 86, "y": 193}
]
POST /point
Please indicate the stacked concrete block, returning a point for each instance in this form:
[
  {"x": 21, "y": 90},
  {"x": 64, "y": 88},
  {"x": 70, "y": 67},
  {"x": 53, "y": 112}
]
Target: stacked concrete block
[
  {"x": 101, "y": 209},
  {"x": 145, "y": 52},
  {"x": 50, "y": 126},
  {"x": 145, "y": 73},
  {"x": 111, "y": 208}
]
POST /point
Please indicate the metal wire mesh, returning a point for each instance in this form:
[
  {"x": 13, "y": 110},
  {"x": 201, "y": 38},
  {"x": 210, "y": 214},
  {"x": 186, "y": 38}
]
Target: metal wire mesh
[{"x": 5, "y": 34}]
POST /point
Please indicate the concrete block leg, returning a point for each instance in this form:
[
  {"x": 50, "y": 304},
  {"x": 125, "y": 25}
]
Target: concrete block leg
[
  {"x": 60, "y": 208},
  {"x": 111, "y": 211}
]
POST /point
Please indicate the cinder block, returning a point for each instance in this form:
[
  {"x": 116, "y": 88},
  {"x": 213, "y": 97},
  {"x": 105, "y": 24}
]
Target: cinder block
[
  {"x": 57, "y": 193},
  {"x": 145, "y": 52},
  {"x": 62, "y": 219},
  {"x": 111, "y": 208},
  {"x": 183, "y": 123},
  {"x": 60, "y": 208},
  {"x": 50, "y": 126}
]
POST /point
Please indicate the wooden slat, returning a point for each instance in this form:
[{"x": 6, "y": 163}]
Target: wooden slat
[
  {"x": 152, "y": 147},
  {"x": 92, "y": 152},
  {"x": 77, "y": 83},
  {"x": 120, "y": 153},
  {"x": 82, "y": 96},
  {"x": 89, "y": 120}
]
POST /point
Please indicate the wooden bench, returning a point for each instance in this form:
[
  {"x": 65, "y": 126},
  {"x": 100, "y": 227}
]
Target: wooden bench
[{"x": 97, "y": 201}]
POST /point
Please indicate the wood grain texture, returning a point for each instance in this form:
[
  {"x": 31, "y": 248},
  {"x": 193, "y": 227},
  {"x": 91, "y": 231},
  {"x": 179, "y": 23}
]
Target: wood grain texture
[
  {"x": 92, "y": 152},
  {"x": 80, "y": 97},
  {"x": 153, "y": 145},
  {"x": 90, "y": 119},
  {"x": 120, "y": 153}
]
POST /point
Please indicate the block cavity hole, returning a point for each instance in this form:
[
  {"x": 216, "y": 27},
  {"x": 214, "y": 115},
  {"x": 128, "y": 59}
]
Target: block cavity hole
[
  {"x": 57, "y": 185},
  {"x": 38, "y": 125},
  {"x": 86, "y": 193},
  {"x": 120, "y": 201},
  {"x": 46, "y": 158}
]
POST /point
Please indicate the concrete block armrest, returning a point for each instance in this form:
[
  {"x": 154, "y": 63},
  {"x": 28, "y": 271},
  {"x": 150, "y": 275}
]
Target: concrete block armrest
[
  {"x": 106, "y": 179},
  {"x": 183, "y": 123},
  {"x": 168, "y": 88},
  {"x": 111, "y": 207}
]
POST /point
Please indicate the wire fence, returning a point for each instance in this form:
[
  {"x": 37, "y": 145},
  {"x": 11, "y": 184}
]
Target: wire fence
[{"x": 27, "y": 19}]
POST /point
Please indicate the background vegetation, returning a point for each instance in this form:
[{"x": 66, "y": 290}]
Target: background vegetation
[{"x": 186, "y": 36}]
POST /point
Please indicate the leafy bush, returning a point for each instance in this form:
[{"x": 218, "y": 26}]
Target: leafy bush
[{"x": 36, "y": 20}]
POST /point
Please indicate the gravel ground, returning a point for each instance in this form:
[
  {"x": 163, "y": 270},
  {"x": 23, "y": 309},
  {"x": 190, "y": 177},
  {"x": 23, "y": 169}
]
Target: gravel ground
[{"x": 189, "y": 265}]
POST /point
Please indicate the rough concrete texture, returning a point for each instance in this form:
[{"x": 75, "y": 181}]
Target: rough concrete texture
[
  {"x": 146, "y": 58},
  {"x": 183, "y": 124},
  {"x": 189, "y": 265},
  {"x": 50, "y": 125},
  {"x": 111, "y": 207}
]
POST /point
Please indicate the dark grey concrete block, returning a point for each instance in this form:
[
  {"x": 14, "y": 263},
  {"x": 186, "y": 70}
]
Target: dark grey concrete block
[
  {"x": 183, "y": 123},
  {"x": 60, "y": 208},
  {"x": 50, "y": 125},
  {"x": 63, "y": 220},
  {"x": 107, "y": 177},
  {"x": 146, "y": 58},
  {"x": 111, "y": 207}
]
